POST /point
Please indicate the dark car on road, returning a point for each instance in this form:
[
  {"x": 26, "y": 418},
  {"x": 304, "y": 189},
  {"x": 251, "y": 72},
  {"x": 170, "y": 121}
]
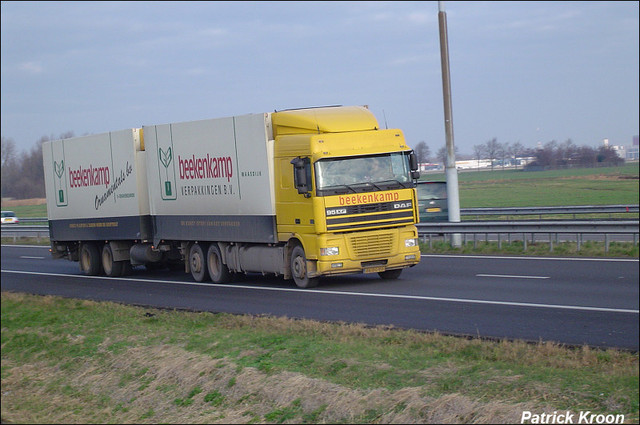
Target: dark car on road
[{"x": 432, "y": 201}]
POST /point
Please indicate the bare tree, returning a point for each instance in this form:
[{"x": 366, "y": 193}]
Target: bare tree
[
  {"x": 546, "y": 156},
  {"x": 566, "y": 152},
  {"x": 30, "y": 184},
  {"x": 441, "y": 155},
  {"x": 478, "y": 152},
  {"x": 8, "y": 151},
  {"x": 516, "y": 150},
  {"x": 422, "y": 151},
  {"x": 586, "y": 156},
  {"x": 23, "y": 174},
  {"x": 10, "y": 169},
  {"x": 503, "y": 153},
  {"x": 492, "y": 147},
  {"x": 607, "y": 155}
]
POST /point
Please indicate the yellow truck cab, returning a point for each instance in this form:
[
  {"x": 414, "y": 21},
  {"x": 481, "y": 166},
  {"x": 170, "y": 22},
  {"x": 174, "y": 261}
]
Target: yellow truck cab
[{"x": 351, "y": 200}]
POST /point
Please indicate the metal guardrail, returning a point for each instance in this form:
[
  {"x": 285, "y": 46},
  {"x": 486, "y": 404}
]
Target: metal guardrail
[
  {"x": 20, "y": 231},
  {"x": 34, "y": 220},
  {"x": 522, "y": 226},
  {"x": 532, "y": 228}
]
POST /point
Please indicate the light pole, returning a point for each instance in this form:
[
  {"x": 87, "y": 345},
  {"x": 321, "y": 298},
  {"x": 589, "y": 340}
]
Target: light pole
[{"x": 453, "y": 199}]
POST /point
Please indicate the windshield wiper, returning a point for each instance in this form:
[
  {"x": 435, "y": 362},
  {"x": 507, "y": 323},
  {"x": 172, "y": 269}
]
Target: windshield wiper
[
  {"x": 339, "y": 188},
  {"x": 392, "y": 183},
  {"x": 365, "y": 185}
]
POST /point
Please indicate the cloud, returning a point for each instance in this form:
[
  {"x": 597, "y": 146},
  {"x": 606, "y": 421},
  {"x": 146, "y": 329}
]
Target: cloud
[
  {"x": 408, "y": 60},
  {"x": 421, "y": 18},
  {"x": 196, "y": 71},
  {"x": 33, "y": 68}
]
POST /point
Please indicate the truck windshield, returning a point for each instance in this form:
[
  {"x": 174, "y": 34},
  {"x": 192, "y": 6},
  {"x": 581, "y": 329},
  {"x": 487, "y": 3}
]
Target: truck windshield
[{"x": 362, "y": 174}]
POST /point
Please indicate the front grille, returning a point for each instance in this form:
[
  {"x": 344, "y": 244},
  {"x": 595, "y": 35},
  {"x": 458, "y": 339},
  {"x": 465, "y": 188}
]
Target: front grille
[
  {"x": 368, "y": 246},
  {"x": 369, "y": 208}
]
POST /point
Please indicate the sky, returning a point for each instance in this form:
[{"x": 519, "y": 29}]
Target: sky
[{"x": 527, "y": 72}]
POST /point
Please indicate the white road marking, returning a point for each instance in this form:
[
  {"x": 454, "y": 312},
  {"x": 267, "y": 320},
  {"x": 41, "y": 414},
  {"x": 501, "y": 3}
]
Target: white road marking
[
  {"x": 355, "y": 294},
  {"x": 31, "y": 258},
  {"x": 525, "y": 257},
  {"x": 513, "y": 276}
]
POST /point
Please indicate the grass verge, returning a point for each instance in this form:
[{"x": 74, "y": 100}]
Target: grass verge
[
  {"x": 75, "y": 361},
  {"x": 587, "y": 249}
]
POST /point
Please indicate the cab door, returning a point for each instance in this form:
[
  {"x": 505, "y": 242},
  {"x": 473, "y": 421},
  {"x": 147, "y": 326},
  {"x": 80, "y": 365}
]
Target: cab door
[{"x": 294, "y": 203}]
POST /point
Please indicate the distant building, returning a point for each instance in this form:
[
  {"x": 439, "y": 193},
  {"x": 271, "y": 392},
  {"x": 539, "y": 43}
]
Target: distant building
[
  {"x": 474, "y": 164},
  {"x": 429, "y": 166},
  {"x": 632, "y": 151},
  {"x": 628, "y": 153}
]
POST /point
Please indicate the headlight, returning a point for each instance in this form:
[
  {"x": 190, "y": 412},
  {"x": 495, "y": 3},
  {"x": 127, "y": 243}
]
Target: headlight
[
  {"x": 334, "y": 250},
  {"x": 409, "y": 243}
]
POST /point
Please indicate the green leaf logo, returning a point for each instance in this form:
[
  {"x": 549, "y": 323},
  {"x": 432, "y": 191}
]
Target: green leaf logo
[
  {"x": 165, "y": 157},
  {"x": 59, "y": 168}
]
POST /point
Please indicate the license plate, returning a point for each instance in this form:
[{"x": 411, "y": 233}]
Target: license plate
[
  {"x": 374, "y": 269},
  {"x": 433, "y": 210}
]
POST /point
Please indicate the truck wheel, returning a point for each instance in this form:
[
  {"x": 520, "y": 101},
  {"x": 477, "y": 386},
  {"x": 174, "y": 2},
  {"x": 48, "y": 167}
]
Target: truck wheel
[
  {"x": 218, "y": 271},
  {"x": 299, "y": 269},
  {"x": 111, "y": 268},
  {"x": 390, "y": 274},
  {"x": 89, "y": 260},
  {"x": 197, "y": 262}
]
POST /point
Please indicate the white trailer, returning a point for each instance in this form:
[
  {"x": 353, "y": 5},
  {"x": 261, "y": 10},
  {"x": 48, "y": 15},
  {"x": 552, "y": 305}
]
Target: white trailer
[
  {"x": 97, "y": 191},
  {"x": 212, "y": 180}
]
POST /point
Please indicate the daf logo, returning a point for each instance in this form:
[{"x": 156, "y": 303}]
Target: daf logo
[
  {"x": 400, "y": 205},
  {"x": 337, "y": 211}
]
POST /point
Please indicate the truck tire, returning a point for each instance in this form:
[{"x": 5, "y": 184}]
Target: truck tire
[
  {"x": 218, "y": 271},
  {"x": 111, "y": 268},
  {"x": 390, "y": 274},
  {"x": 89, "y": 260},
  {"x": 198, "y": 262},
  {"x": 299, "y": 269}
]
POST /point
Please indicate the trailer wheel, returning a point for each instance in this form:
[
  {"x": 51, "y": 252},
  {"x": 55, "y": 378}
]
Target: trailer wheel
[
  {"x": 89, "y": 260},
  {"x": 197, "y": 262},
  {"x": 111, "y": 268},
  {"x": 390, "y": 274},
  {"x": 218, "y": 271},
  {"x": 299, "y": 269}
]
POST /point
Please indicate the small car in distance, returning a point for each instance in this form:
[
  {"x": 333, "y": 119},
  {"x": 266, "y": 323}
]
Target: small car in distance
[
  {"x": 432, "y": 201},
  {"x": 9, "y": 217}
]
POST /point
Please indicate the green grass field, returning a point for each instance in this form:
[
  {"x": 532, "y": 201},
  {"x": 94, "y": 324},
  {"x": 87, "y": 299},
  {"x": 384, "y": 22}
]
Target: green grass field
[
  {"x": 517, "y": 188},
  {"x": 27, "y": 211}
]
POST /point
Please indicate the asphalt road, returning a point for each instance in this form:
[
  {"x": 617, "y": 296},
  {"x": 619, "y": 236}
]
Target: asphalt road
[{"x": 569, "y": 301}]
